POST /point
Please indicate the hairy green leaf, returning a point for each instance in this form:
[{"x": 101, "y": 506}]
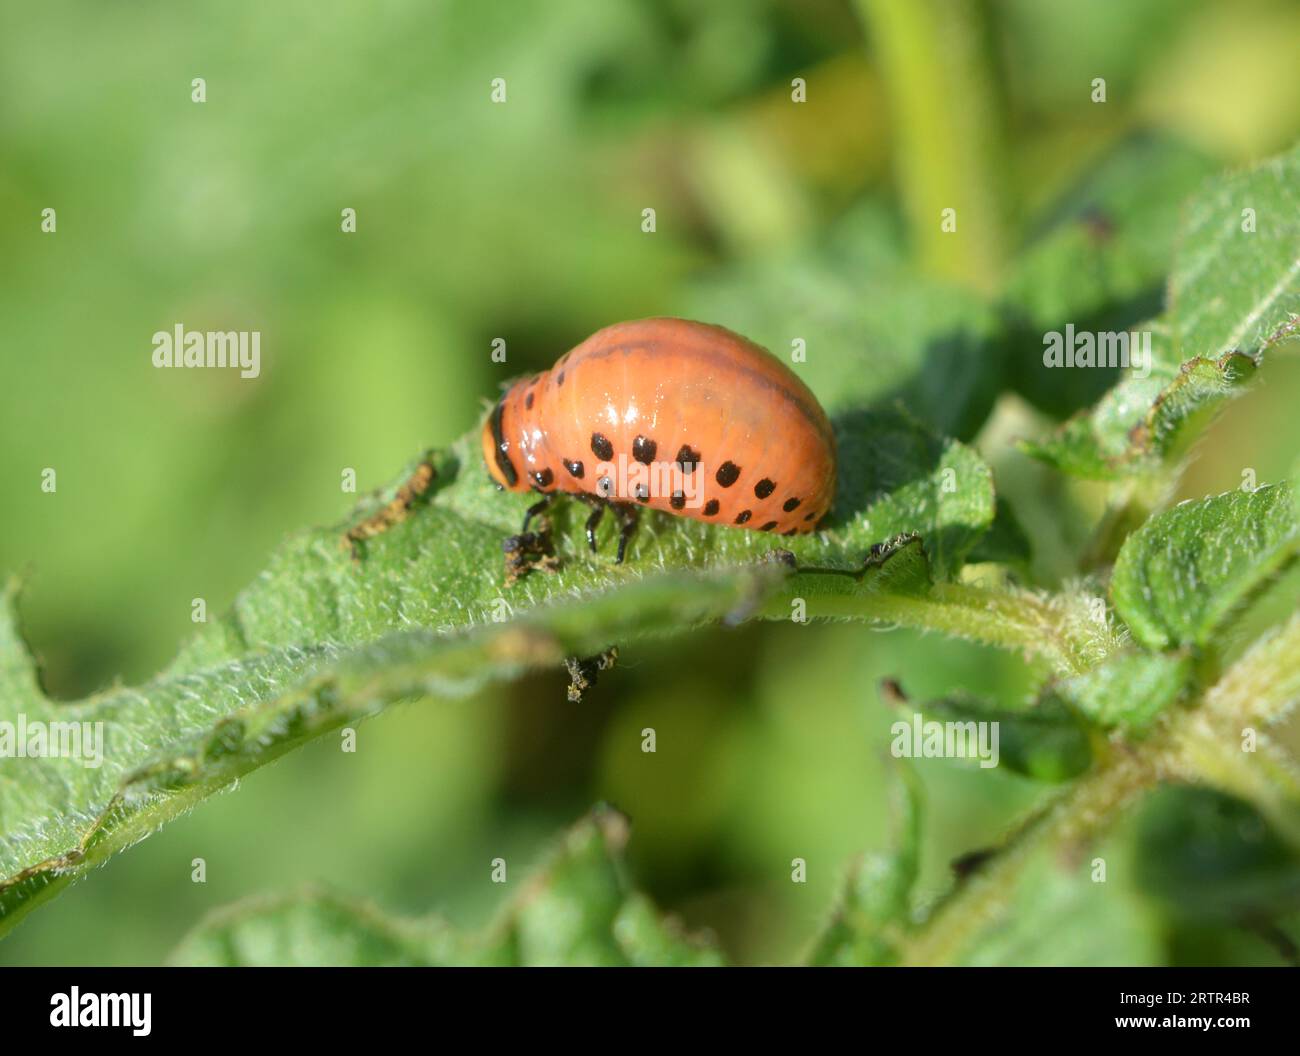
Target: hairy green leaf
[
  {"x": 1236, "y": 280},
  {"x": 1128, "y": 691},
  {"x": 1181, "y": 576},
  {"x": 323, "y": 638},
  {"x": 1046, "y": 742},
  {"x": 1097, "y": 259},
  {"x": 1144, "y": 423},
  {"x": 1233, "y": 294}
]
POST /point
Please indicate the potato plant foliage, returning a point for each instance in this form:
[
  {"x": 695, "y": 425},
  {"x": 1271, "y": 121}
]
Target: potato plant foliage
[{"x": 1145, "y": 678}]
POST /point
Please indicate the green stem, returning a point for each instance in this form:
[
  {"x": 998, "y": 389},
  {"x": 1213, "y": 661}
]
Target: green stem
[
  {"x": 946, "y": 133},
  {"x": 1212, "y": 743},
  {"x": 1017, "y": 621},
  {"x": 1075, "y": 818},
  {"x": 1261, "y": 687}
]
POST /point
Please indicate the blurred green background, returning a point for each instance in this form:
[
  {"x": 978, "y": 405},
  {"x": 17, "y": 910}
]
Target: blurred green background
[{"x": 523, "y": 221}]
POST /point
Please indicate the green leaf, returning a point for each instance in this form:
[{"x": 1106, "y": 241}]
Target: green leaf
[
  {"x": 171, "y": 742},
  {"x": 1235, "y": 289},
  {"x": 906, "y": 474},
  {"x": 1233, "y": 295},
  {"x": 1205, "y": 854},
  {"x": 1006, "y": 542},
  {"x": 321, "y": 640},
  {"x": 1098, "y": 260},
  {"x": 1109, "y": 924},
  {"x": 315, "y": 928},
  {"x": 649, "y": 940},
  {"x": 1182, "y": 575},
  {"x": 1046, "y": 742},
  {"x": 1145, "y": 423},
  {"x": 1128, "y": 691},
  {"x": 576, "y": 909}
]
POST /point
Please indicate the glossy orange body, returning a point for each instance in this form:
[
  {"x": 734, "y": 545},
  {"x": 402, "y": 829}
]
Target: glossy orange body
[{"x": 678, "y": 416}]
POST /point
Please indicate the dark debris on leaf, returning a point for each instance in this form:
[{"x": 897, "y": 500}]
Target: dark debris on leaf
[
  {"x": 527, "y": 551},
  {"x": 584, "y": 671}
]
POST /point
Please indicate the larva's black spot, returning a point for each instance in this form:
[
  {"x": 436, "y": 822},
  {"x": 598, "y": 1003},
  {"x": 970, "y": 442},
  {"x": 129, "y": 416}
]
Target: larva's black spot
[
  {"x": 642, "y": 493},
  {"x": 687, "y": 459},
  {"x": 792, "y": 531},
  {"x": 728, "y": 474},
  {"x": 575, "y": 468},
  {"x": 559, "y": 378},
  {"x": 768, "y": 527},
  {"x": 528, "y": 400},
  {"x": 710, "y": 507},
  {"x": 743, "y": 516},
  {"x": 643, "y": 450},
  {"x": 601, "y": 447},
  {"x": 678, "y": 501},
  {"x": 791, "y": 504},
  {"x": 544, "y": 478},
  {"x": 811, "y": 517},
  {"x": 604, "y": 486},
  {"x": 764, "y": 488}
]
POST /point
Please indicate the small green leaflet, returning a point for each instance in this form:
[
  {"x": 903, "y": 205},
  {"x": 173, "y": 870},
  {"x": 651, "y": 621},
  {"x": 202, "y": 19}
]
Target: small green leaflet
[{"x": 1181, "y": 576}]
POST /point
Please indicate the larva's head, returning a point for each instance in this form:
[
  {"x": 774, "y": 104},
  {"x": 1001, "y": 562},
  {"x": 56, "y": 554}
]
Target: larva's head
[{"x": 500, "y": 451}]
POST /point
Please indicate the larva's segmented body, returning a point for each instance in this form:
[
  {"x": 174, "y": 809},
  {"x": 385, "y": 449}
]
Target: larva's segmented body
[{"x": 679, "y": 416}]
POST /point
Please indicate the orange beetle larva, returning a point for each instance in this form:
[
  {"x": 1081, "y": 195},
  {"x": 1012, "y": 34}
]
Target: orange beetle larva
[{"x": 679, "y": 416}]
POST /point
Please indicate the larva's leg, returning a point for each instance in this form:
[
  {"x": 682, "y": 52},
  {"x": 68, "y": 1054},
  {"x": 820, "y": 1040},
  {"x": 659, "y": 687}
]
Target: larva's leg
[
  {"x": 629, "y": 516},
  {"x": 529, "y": 550},
  {"x": 593, "y": 522},
  {"x": 536, "y": 508}
]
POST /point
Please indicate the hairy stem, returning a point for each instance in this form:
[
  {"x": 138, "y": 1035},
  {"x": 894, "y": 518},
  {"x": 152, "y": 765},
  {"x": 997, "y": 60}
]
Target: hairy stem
[
  {"x": 1075, "y": 818},
  {"x": 1199, "y": 744},
  {"x": 1050, "y": 629},
  {"x": 1222, "y": 743}
]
